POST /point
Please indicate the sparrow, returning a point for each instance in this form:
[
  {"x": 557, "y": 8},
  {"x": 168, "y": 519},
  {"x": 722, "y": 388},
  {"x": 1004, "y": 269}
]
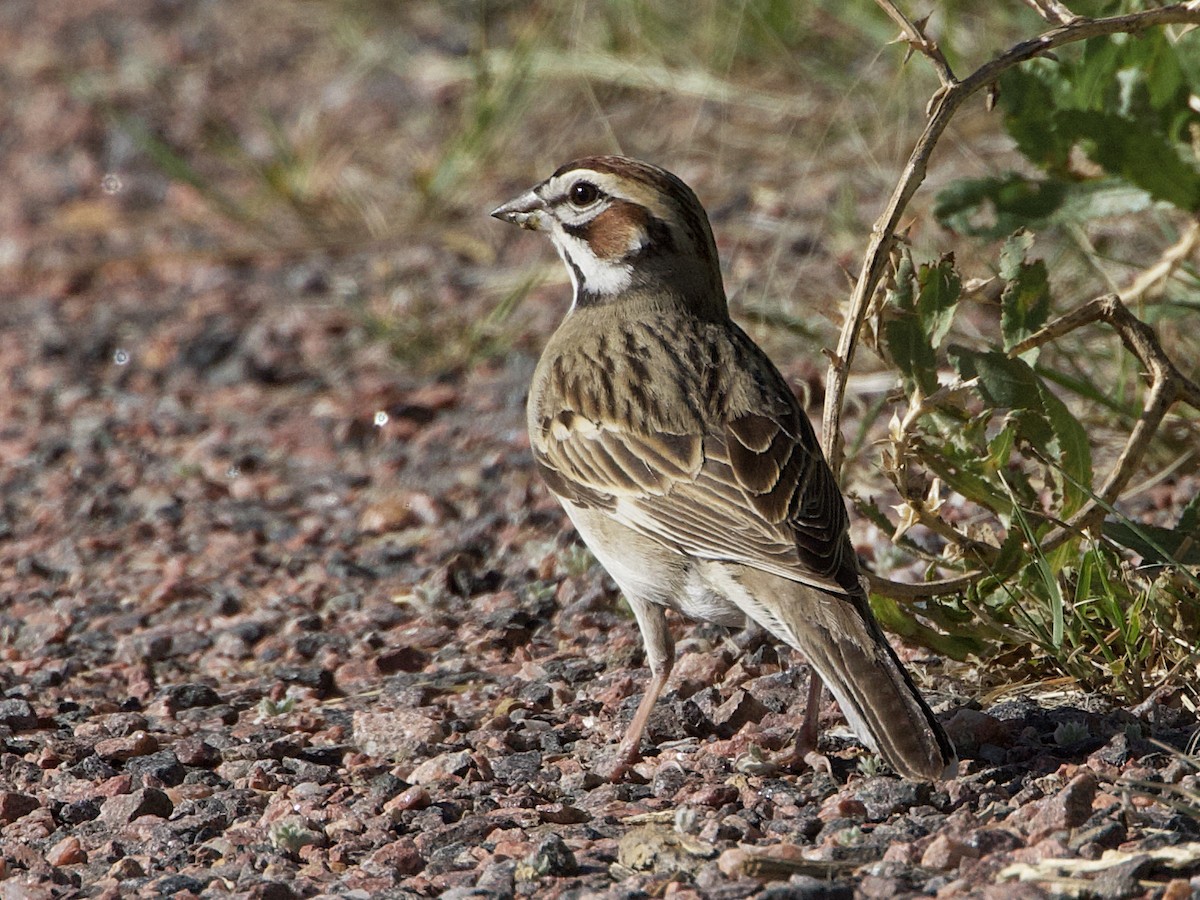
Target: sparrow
[{"x": 686, "y": 463}]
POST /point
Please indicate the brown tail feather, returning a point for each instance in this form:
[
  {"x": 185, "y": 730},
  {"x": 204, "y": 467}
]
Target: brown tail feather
[{"x": 848, "y": 650}]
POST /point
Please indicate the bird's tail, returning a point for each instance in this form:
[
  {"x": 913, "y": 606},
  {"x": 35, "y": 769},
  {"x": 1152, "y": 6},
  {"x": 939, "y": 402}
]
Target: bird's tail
[{"x": 843, "y": 643}]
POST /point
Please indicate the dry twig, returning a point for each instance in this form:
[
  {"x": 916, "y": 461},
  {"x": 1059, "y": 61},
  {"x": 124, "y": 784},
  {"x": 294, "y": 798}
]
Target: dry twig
[
  {"x": 1167, "y": 385},
  {"x": 1052, "y": 11}
]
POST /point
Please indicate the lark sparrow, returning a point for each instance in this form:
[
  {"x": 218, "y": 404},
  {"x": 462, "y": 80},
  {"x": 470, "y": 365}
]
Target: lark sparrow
[{"x": 686, "y": 463}]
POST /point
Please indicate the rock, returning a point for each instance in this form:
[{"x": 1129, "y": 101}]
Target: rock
[
  {"x": 662, "y": 849},
  {"x": 189, "y": 696},
  {"x": 551, "y": 857},
  {"x": 17, "y": 714},
  {"x": 67, "y": 852},
  {"x": 883, "y": 797},
  {"x": 563, "y": 814},
  {"x": 395, "y": 733},
  {"x": 122, "y": 748},
  {"x": 163, "y": 765},
  {"x": 498, "y": 880},
  {"x": 1108, "y": 835},
  {"x": 14, "y": 805},
  {"x": 969, "y": 729},
  {"x": 272, "y": 890},
  {"x": 400, "y": 857},
  {"x": 713, "y": 795},
  {"x": 806, "y": 887},
  {"x": 27, "y": 886},
  {"x": 79, "y": 811},
  {"x": 986, "y": 841},
  {"x": 842, "y": 806},
  {"x": 414, "y": 797},
  {"x": 880, "y": 887},
  {"x": 945, "y": 852},
  {"x": 735, "y": 712},
  {"x": 126, "y": 867},
  {"x": 696, "y": 671},
  {"x": 517, "y": 768},
  {"x": 124, "y": 808},
  {"x": 445, "y": 765},
  {"x": 1117, "y": 752},
  {"x": 668, "y": 780},
  {"x": 195, "y": 751},
  {"x": 1069, "y": 808}
]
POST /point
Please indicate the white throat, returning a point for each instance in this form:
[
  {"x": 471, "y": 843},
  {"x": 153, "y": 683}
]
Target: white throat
[{"x": 600, "y": 277}]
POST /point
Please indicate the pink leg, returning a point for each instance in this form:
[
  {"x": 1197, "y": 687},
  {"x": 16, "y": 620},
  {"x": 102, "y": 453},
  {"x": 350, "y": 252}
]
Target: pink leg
[
  {"x": 805, "y": 753},
  {"x": 660, "y": 656}
]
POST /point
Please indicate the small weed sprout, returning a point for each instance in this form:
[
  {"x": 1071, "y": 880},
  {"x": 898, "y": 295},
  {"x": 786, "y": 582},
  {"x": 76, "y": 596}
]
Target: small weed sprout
[
  {"x": 869, "y": 765},
  {"x": 1070, "y": 733},
  {"x": 268, "y": 708}
]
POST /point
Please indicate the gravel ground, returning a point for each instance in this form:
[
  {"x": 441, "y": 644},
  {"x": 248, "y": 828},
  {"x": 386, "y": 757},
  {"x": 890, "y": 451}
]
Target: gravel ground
[{"x": 283, "y": 617}]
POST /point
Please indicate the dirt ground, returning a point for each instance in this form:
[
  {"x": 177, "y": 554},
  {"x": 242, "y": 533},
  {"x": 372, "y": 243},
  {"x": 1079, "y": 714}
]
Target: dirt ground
[{"x": 284, "y": 611}]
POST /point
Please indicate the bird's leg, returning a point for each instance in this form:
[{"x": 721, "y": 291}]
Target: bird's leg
[
  {"x": 660, "y": 656},
  {"x": 805, "y": 751}
]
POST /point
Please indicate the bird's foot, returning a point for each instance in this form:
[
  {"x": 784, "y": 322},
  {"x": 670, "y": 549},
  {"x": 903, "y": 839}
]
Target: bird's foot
[
  {"x": 618, "y": 766},
  {"x": 803, "y": 759}
]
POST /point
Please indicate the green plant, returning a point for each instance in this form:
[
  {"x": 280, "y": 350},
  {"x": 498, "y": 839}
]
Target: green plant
[{"x": 1005, "y": 406}]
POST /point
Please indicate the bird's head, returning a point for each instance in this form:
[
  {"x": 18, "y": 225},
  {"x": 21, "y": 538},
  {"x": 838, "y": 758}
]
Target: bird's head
[{"x": 625, "y": 228}]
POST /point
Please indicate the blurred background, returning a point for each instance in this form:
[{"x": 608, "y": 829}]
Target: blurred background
[{"x": 364, "y": 142}]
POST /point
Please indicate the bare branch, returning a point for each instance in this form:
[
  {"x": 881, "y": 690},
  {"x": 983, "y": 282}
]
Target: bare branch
[
  {"x": 921, "y": 590},
  {"x": 1170, "y": 260},
  {"x": 913, "y": 33},
  {"x": 1167, "y": 385},
  {"x": 1052, "y": 11},
  {"x": 941, "y": 109}
]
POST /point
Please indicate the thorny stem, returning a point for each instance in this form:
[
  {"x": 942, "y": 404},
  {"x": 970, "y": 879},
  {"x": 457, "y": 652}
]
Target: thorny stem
[
  {"x": 942, "y": 106},
  {"x": 1168, "y": 384},
  {"x": 1052, "y": 11},
  {"x": 912, "y": 34}
]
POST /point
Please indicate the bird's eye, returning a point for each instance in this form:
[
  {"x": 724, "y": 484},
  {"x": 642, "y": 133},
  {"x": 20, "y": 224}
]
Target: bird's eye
[{"x": 584, "y": 193}]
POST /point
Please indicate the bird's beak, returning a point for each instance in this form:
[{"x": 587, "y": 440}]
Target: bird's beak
[{"x": 526, "y": 211}]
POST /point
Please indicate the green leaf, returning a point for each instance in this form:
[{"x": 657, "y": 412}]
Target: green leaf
[
  {"x": 1013, "y": 253},
  {"x": 940, "y": 288},
  {"x": 905, "y": 335},
  {"x": 1189, "y": 519},
  {"x": 1000, "y": 447},
  {"x": 1003, "y": 382},
  {"x": 1041, "y": 418},
  {"x": 1045, "y": 575},
  {"x": 1157, "y": 545},
  {"x": 959, "y": 469},
  {"x": 1070, "y": 448},
  {"x": 998, "y": 206},
  {"x": 896, "y": 619},
  {"x": 1142, "y": 157},
  {"x": 1025, "y": 302},
  {"x": 1124, "y": 102},
  {"x": 995, "y": 206},
  {"x": 1030, "y": 95}
]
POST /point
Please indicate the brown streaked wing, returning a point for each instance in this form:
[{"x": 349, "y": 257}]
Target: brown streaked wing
[
  {"x": 695, "y": 505},
  {"x": 606, "y": 461}
]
